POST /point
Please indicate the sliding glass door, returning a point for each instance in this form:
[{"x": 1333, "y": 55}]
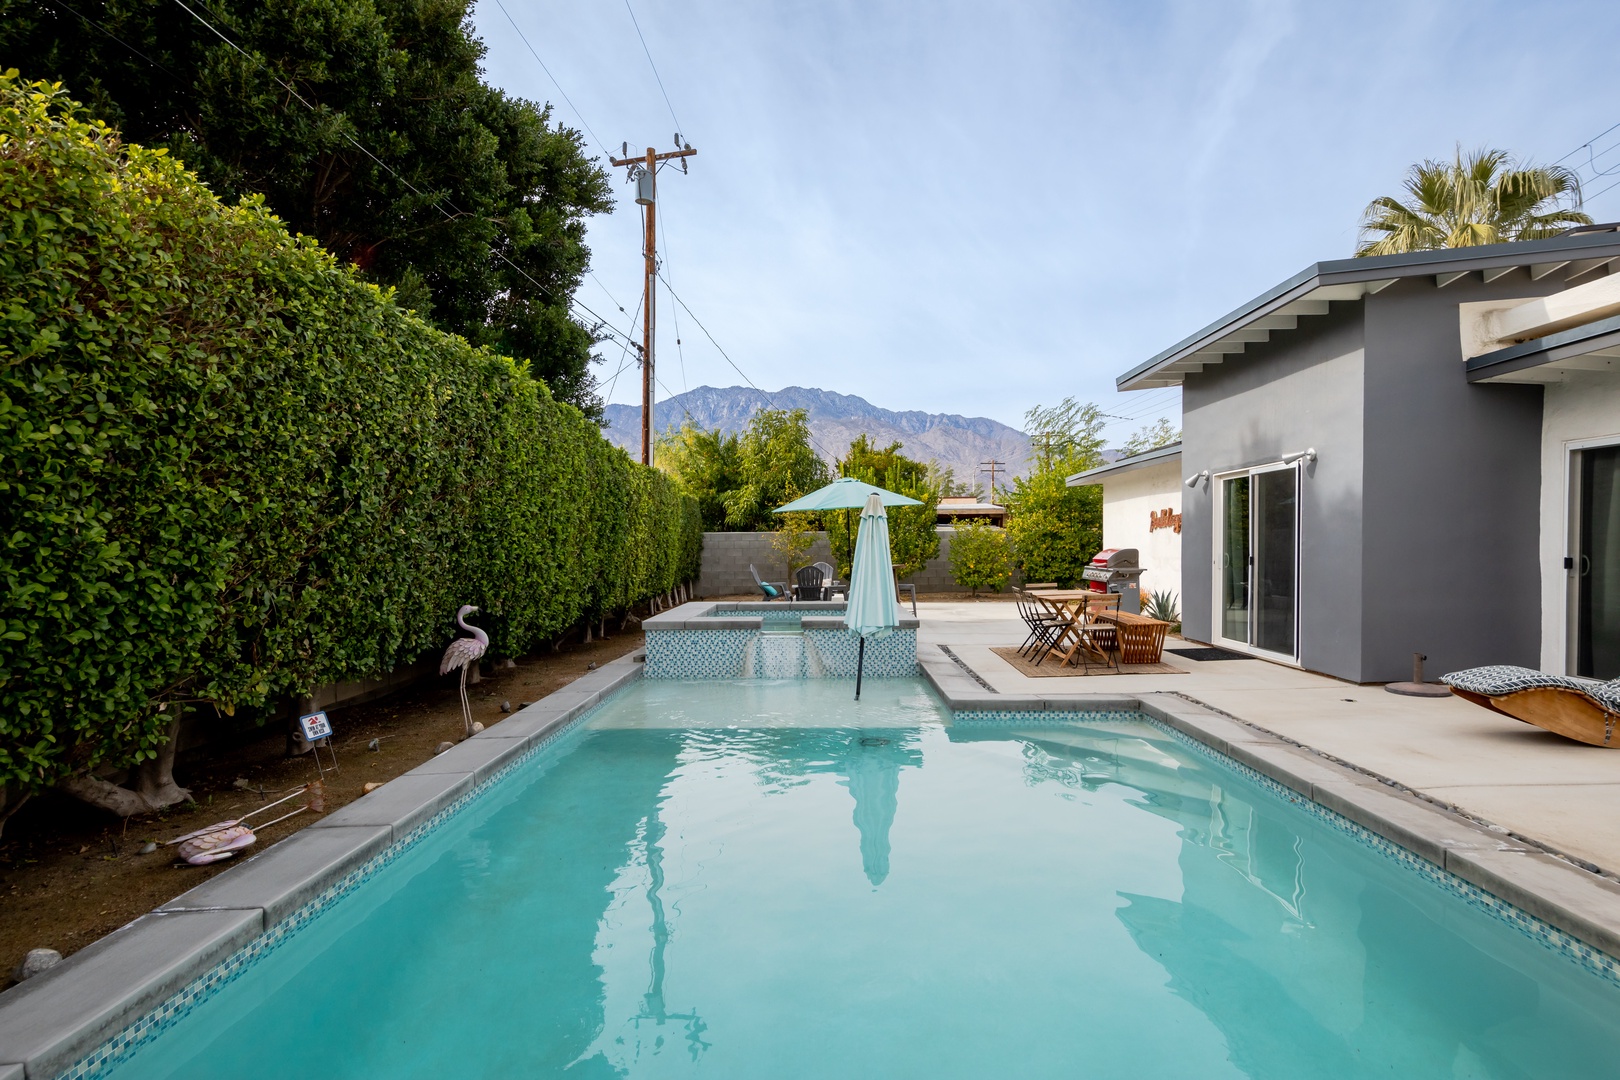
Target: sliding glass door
[
  {"x": 1257, "y": 559},
  {"x": 1597, "y": 563}
]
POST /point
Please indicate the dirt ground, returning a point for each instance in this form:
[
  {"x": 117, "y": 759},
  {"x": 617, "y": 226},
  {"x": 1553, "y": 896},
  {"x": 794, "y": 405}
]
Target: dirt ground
[{"x": 70, "y": 874}]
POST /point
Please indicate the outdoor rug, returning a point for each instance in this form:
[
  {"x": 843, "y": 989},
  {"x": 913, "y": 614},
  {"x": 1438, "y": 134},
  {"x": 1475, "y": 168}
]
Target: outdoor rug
[
  {"x": 1209, "y": 654},
  {"x": 1052, "y": 669}
]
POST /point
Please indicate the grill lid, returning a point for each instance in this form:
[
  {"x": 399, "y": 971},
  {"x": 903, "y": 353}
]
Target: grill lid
[{"x": 1116, "y": 558}]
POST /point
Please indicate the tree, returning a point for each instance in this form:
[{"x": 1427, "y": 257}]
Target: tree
[
  {"x": 794, "y": 535},
  {"x": 776, "y": 463},
  {"x": 979, "y": 557},
  {"x": 1067, "y": 436},
  {"x": 913, "y": 538},
  {"x": 1160, "y": 433},
  {"x": 1055, "y": 529},
  {"x": 705, "y": 464},
  {"x": 1485, "y": 198},
  {"x": 482, "y": 230}
]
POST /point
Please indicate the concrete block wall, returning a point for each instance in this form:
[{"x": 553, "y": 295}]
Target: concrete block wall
[{"x": 726, "y": 556}]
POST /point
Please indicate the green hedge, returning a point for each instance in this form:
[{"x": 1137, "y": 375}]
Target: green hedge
[{"x": 230, "y": 470}]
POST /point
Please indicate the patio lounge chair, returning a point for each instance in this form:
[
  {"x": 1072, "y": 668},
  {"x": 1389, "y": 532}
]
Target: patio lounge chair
[
  {"x": 1582, "y": 709},
  {"x": 810, "y": 584},
  {"x": 770, "y": 590}
]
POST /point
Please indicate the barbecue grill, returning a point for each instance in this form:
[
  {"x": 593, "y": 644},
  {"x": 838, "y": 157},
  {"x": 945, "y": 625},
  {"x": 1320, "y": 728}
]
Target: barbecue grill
[{"x": 1116, "y": 570}]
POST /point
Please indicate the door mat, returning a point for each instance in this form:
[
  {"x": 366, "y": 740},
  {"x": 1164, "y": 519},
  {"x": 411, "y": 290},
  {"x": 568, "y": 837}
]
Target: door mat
[
  {"x": 1053, "y": 669},
  {"x": 1209, "y": 654}
]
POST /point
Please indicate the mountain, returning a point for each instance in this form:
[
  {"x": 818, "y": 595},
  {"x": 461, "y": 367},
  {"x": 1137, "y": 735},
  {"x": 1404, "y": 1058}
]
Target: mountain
[{"x": 957, "y": 442}]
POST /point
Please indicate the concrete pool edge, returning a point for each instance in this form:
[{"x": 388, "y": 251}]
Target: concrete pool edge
[
  {"x": 1558, "y": 891},
  {"x": 54, "y": 1021}
]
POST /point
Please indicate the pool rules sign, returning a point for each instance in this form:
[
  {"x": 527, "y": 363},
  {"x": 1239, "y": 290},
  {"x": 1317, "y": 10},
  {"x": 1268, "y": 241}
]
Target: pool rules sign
[{"x": 315, "y": 726}]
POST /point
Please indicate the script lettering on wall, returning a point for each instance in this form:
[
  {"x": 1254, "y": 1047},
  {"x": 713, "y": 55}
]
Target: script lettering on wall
[{"x": 1164, "y": 519}]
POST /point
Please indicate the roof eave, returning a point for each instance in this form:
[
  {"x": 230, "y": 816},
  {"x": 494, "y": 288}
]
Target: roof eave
[
  {"x": 1352, "y": 279},
  {"x": 1159, "y": 456}
]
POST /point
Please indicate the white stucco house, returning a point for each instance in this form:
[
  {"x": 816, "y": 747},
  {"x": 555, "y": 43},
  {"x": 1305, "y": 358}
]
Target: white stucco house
[{"x": 1142, "y": 510}]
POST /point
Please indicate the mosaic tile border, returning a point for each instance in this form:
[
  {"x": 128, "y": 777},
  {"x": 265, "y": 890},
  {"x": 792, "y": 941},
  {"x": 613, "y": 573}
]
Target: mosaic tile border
[
  {"x": 121, "y": 1047},
  {"x": 974, "y": 675},
  {"x": 1588, "y": 957}
]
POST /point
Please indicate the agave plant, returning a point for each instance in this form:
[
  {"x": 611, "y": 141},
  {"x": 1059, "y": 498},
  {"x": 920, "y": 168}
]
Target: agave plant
[
  {"x": 1484, "y": 198},
  {"x": 1161, "y": 605}
]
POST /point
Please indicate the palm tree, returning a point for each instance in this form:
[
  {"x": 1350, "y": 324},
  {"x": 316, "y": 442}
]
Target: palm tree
[{"x": 1485, "y": 198}]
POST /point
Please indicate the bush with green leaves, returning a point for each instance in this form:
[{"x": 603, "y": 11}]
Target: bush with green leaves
[
  {"x": 913, "y": 538},
  {"x": 232, "y": 470},
  {"x": 1054, "y": 529},
  {"x": 979, "y": 557}
]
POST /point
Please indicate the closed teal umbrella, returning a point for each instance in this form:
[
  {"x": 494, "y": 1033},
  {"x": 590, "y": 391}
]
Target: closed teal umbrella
[{"x": 872, "y": 610}]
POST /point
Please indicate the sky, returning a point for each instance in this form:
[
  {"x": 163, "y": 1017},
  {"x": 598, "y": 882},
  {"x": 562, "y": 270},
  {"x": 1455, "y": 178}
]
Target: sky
[{"x": 979, "y": 208}]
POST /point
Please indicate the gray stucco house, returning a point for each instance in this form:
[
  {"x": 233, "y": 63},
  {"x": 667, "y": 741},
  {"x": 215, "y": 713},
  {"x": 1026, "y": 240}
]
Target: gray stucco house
[{"x": 1410, "y": 453}]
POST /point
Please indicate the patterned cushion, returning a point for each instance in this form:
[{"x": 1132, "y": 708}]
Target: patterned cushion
[{"x": 1499, "y": 679}]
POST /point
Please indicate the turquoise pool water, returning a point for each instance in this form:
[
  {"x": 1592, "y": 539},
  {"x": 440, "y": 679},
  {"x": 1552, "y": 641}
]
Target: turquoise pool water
[{"x": 757, "y": 879}]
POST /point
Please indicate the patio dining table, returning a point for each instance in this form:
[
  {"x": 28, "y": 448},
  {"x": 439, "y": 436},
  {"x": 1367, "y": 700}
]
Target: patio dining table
[{"x": 1078, "y": 608}]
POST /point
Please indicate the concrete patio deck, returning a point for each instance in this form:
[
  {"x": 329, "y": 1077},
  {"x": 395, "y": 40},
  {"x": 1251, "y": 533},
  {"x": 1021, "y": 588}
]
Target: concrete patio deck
[{"x": 1544, "y": 788}]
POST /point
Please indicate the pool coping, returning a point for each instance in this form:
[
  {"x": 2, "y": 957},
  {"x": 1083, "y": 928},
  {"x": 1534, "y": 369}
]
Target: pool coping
[
  {"x": 702, "y": 615},
  {"x": 56, "y": 1019},
  {"x": 1575, "y": 899}
]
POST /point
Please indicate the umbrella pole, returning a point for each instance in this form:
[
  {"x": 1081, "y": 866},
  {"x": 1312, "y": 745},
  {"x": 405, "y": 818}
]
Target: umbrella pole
[{"x": 860, "y": 662}]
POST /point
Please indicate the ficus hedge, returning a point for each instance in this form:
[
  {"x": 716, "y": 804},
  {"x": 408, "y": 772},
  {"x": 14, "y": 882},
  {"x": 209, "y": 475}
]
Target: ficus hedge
[{"x": 230, "y": 470}]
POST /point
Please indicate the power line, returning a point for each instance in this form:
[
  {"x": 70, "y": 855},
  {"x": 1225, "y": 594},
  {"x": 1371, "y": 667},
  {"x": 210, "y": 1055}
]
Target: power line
[
  {"x": 525, "y": 38},
  {"x": 679, "y": 352},
  {"x": 729, "y": 360},
  {"x": 115, "y": 37},
  {"x": 435, "y": 202},
  {"x": 708, "y": 335},
  {"x": 624, "y": 357},
  {"x": 652, "y": 65}
]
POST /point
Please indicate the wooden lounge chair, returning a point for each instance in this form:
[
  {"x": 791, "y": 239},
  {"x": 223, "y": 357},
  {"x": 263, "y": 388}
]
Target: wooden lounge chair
[{"x": 1585, "y": 710}]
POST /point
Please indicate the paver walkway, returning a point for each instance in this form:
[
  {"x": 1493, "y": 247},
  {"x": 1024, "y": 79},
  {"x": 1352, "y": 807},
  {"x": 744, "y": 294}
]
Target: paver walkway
[{"x": 1562, "y": 793}]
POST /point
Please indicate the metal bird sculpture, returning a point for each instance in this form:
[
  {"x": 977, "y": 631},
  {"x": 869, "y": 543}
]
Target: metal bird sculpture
[{"x": 462, "y": 653}]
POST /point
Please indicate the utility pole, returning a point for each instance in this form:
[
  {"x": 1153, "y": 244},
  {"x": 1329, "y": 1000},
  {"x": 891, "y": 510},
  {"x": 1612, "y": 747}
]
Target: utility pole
[
  {"x": 644, "y": 171},
  {"x": 990, "y": 467}
]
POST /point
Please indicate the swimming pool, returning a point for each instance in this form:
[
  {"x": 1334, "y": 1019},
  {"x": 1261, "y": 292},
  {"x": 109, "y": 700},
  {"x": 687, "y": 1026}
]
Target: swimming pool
[{"x": 756, "y": 878}]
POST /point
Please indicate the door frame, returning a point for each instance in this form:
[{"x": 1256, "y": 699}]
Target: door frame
[
  {"x": 1218, "y": 535},
  {"x": 1572, "y": 533}
]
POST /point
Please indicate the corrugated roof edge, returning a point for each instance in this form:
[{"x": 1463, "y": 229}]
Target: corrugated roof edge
[
  {"x": 1135, "y": 461},
  {"x": 1352, "y": 270}
]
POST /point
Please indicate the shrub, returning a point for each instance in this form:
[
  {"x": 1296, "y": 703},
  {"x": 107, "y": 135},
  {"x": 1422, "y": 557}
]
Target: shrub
[
  {"x": 233, "y": 470},
  {"x": 1055, "y": 529},
  {"x": 979, "y": 557}
]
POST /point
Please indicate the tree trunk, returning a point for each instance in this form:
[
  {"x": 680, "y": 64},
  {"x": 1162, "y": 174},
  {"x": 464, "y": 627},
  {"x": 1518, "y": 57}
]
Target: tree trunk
[
  {"x": 154, "y": 783},
  {"x": 11, "y": 801},
  {"x": 297, "y": 745},
  {"x": 586, "y": 640}
]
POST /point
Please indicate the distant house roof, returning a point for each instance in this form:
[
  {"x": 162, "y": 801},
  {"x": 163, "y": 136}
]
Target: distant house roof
[
  {"x": 1593, "y": 347},
  {"x": 967, "y": 504},
  {"x": 1311, "y": 290},
  {"x": 1162, "y": 456}
]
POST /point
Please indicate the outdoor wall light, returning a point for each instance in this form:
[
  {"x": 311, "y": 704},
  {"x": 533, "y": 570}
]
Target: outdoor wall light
[
  {"x": 1195, "y": 478},
  {"x": 1308, "y": 454}
]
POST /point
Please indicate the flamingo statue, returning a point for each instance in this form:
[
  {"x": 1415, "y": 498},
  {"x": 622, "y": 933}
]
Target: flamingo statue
[{"x": 463, "y": 652}]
